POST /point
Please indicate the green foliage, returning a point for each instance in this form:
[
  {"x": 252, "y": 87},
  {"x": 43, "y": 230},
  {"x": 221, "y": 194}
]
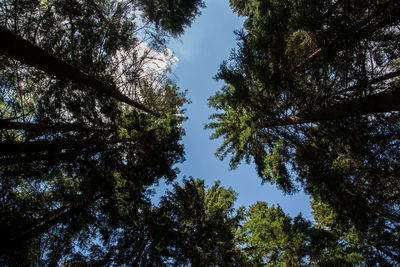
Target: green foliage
[
  {"x": 200, "y": 224},
  {"x": 62, "y": 195},
  {"x": 352, "y": 174},
  {"x": 45, "y": 4},
  {"x": 281, "y": 68},
  {"x": 352, "y": 247},
  {"x": 266, "y": 234},
  {"x": 294, "y": 60},
  {"x": 275, "y": 170},
  {"x": 269, "y": 237},
  {"x": 75, "y": 186},
  {"x": 171, "y": 16}
]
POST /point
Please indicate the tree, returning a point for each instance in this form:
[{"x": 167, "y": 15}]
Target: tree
[
  {"x": 265, "y": 83},
  {"x": 17, "y": 48},
  {"x": 270, "y": 237},
  {"x": 366, "y": 248},
  {"x": 76, "y": 154},
  {"x": 108, "y": 183},
  {"x": 191, "y": 225},
  {"x": 355, "y": 178},
  {"x": 199, "y": 225},
  {"x": 172, "y": 16},
  {"x": 303, "y": 100}
]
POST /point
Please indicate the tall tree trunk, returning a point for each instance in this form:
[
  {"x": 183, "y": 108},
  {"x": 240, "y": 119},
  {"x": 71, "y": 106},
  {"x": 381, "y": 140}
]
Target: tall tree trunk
[
  {"x": 41, "y": 127},
  {"x": 372, "y": 104},
  {"x": 13, "y": 148},
  {"x": 49, "y": 157},
  {"x": 139, "y": 254},
  {"x": 17, "y": 48}
]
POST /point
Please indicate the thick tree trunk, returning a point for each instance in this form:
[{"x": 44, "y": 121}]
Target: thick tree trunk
[
  {"x": 372, "y": 104},
  {"x": 13, "y": 148},
  {"x": 17, "y": 48},
  {"x": 41, "y": 127}
]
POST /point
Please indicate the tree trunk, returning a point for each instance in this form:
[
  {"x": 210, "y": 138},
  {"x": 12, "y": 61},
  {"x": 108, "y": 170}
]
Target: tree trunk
[
  {"x": 139, "y": 255},
  {"x": 387, "y": 253},
  {"x": 17, "y": 48},
  {"x": 49, "y": 157},
  {"x": 48, "y": 221},
  {"x": 372, "y": 104},
  {"x": 13, "y": 148},
  {"x": 41, "y": 127}
]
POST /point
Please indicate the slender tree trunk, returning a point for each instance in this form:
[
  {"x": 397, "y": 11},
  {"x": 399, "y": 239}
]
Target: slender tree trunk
[
  {"x": 372, "y": 104},
  {"x": 13, "y": 148},
  {"x": 41, "y": 127},
  {"x": 17, "y": 48},
  {"x": 49, "y": 157},
  {"x": 388, "y": 253},
  {"x": 381, "y": 78},
  {"x": 48, "y": 221},
  {"x": 62, "y": 214},
  {"x": 139, "y": 255}
]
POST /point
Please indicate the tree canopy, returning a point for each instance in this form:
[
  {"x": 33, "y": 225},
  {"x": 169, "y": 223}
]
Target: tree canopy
[
  {"x": 199, "y": 225},
  {"x": 269, "y": 237},
  {"x": 311, "y": 95},
  {"x": 91, "y": 121}
]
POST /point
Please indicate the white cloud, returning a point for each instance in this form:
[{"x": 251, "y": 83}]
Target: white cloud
[{"x": 141, "y": 64}]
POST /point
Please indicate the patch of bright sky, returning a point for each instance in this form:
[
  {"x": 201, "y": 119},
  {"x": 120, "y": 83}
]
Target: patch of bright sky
[{"x": 200, "y": 51}]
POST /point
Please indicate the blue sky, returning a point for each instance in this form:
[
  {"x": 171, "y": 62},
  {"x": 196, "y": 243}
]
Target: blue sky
[{"x": 201, "y": 50}]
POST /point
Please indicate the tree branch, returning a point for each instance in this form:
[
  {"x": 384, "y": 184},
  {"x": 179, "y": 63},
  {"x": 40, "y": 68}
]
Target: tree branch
[
  {"x": 371, "y": 104},
  {"x": 17, "y": 48},
  {"x": 42, "y": 127}
]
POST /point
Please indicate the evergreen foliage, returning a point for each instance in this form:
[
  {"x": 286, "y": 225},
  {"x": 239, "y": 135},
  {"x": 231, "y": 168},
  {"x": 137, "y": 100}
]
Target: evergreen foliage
[
  {"x": 311, "y": 96},
  {"x": 90, "y": 121},
  {"x": 199, "y": 225},
  {"x": 87, "y": 126},
  {"x": 269, "y": 237}
]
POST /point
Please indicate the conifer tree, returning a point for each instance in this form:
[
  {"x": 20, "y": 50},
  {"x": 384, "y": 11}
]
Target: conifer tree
[
  {"x": 87, "y": 125},
  {"x": 311, "y": 95}
]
